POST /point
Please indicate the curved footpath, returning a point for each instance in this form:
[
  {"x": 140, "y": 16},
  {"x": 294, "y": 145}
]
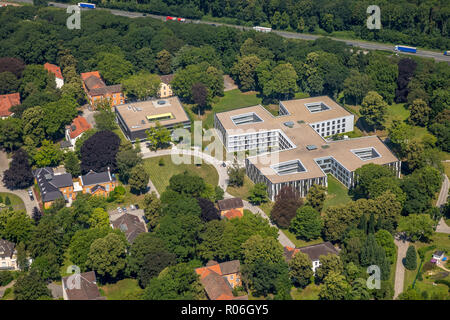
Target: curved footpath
[{"x": 223, "y": 180}]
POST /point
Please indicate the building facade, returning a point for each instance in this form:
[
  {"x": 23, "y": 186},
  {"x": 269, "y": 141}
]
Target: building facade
[
  {"x": 97, "y": 90},
  {"x": 294, "y": 148}
]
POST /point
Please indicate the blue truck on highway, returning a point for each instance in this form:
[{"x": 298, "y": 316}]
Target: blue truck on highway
[
  {"x": 86, "y": 5},
  {"x": 406, "y": 49}
]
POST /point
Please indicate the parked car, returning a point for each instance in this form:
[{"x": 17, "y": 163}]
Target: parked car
[
  {"x": 124, "y": 209},
  {"x": 136, "y": 206},
  {"x": 30, "y": 193},
  {"x": 119, "y": 209},
  {"x": 224, "y": 164},
  {"x": 132, "y": 207}
]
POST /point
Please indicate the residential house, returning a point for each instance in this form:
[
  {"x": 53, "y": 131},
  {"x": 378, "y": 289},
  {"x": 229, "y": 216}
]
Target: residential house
[
  {"x": 8, "y": 255},
  {"x": 129, "y": 224},
  {"x": 219, "y": 279},
  {"x": 59, "y": 79},
  {"x": 53, "y": 185},
  {"x": 231, "y": 208},
  {"x": 81, "y": 286},
  {"x": 314, "y": 252},
  {"x": 76, "y": 129},
  {"x": 97, "y": 90},
  {"x": 165, "y": 90},
  {"x": 99, "y": 184},
  {"x": 438, "y": 255},
  {"x": 6, "y": 102}
]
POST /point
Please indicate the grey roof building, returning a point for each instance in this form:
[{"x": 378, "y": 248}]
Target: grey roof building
[
  {"x": 130, "y": 225},
  {"x": 49, "y": 183},
  {"x": 94, "y": 178},
  {"x": 6, "y": 249}
]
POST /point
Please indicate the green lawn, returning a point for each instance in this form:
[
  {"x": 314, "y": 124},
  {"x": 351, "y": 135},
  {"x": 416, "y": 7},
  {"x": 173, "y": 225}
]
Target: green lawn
[
  {"x": 397, "y": 111},
  {"x": 310, "y": 292},
  {"x": 337, "y": 193},
  {"x": 442, "y": 242},
  {"x": 160, "y": 175},
  {"x": 233, "y": 99},
  {"x": 241, "y": 192},
  {"x": 126, "y": 289},
  {"x": 16, "y": 201}
]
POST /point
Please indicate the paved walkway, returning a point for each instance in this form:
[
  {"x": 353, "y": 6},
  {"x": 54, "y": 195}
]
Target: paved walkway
[
  {"x": 223, "y": 180},
  {"x": 22, "y": 193},
  {"x": 442, "y": 227},
  {"x": 3, "y": 289},
  {"x": 402, "y": 247}
]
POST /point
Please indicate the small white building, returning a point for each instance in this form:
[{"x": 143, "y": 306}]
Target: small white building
[
  {"x": 76, "y": 129},
  {"x": 8, "y": 255},
  {"x": 314, "y": 252},
  {"x": 59, "y": 79},
  {"x": 438, "y": 255}
]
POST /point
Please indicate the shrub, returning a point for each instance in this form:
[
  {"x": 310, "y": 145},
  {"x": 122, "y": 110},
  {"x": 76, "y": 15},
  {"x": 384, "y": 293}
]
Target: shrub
[
  {"x": 411, "y": 258},
  {"x": 161, "y": 162},
  {"x": 5, "y": 278},
  {"x": 7, "y": 200}
]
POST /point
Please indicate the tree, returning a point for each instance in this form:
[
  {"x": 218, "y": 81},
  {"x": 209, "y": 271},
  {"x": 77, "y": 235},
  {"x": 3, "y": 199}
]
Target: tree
[
  {"x": 36, "y": 215},
  {"x": 200, "y": 95},
  {"x": 72, "y": 164},
  {"x": 283, "y": 82},
  {"x": 335, "y": 287},
  {"x": 307, "y": 224},
  {"x": 236, "y": 175},
  {"x": 316, "y": 197},
  {"x": 107, "y": 256},
  {"x": 18, "y": 227},
  {"x": 187, "y": 184},
  {"x": 245, "y": 72},
  {"x": 138, "y": 179},
  {"x": 141, "y": 85},
  {"x": 383, "y": 75},
  {"x": 419, "y": 113},
  {"x": 356, "y": 87},
  {"x": 127, "y": 158},
  {"x": 8, "y": 83},
  {"x": 98, "y": 153},
  {"x": 148, "y": 256},
  {"x": 373, "y": 254},
  {"x": 329, "y": 263},
  {"x": 411, "y": 258},
  {"x": 81, "y": 242},
  {"x": 152, "y": 209},
  {"x": 287, "y": 201},
  {"x": 367, "y": 175},
  {"x": 178, "y": 282},
  {"x": 30, "y": 286},
  {"x": 19, "y": 175},
  {"x": 373, "y": 109},
  {"x": 258, "y": 194},
  {"x": 406, "y": 68},
  {"x": 13, "y": 65},
  {"x": 218, "y": 191},
  {"x": 105, "y": 119},
  {"x": 99, "y": 218},
  {"x": 158, "y": 136},
  {"x": 49, "y": 155},
  {"x": 400, "y": 135},
  {"x": 209, "y": 210},
  {"x": 257, "y": 249},
  {"x": 386, "y": 240},
  {"x": 418, "y": 227},
  {"x": 113, "y": 67},
  {"x": 301, "y": 269},
  {"x": 164, "y": 62},
  {"x": 11, "y": 133}
]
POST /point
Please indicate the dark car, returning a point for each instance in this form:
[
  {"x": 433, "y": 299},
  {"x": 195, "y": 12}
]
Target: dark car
[{"x": 30, "y": 193}]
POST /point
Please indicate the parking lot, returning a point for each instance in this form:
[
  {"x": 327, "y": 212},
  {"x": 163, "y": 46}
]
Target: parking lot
[{"x": 131, "y": 209}]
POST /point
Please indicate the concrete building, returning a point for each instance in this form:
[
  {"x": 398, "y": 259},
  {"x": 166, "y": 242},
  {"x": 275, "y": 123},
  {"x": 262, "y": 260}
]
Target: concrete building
[
  {"x": 298, "y": 137},
  {"x": 136, "y": 118}
]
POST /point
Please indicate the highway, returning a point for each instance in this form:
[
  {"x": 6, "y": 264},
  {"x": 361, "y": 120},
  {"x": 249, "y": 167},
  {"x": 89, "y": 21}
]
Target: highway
[{"x": 438, "y": 56}]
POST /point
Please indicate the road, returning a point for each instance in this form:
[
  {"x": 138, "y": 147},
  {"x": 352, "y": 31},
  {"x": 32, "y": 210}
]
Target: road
[
  {"x": 223, "y": 181},
  {"x": 442, "y": 227},
  {"x": 402, "y": 247},
  {"x": 438, "y": 56}
]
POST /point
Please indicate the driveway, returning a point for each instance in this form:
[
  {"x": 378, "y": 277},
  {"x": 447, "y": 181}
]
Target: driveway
[
  {"x": 402, "y": 247},
  {"x": 89, "y": 115},
  {"x": 442, "y": 227},
  {"x": 22, "y": 193}
]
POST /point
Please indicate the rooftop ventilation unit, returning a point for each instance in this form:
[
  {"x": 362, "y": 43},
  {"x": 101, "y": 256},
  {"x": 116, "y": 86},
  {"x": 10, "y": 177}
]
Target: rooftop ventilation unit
[
  {"x": 366, "y": 153},
  {"x": 246, "y": 118},
  {"x": 311, "y": 147},
  {"x": 161, "y": 102},
  {"x": 289, "y": 167},
  {"x": 317, "y": 107}
]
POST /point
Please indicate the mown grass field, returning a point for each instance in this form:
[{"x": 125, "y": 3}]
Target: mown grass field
[
  {"x": 126, "y": 289},
  {"x": 310, "y": 292},
  {"x": 337, "y": 193},
  {"x": 160, "y": 175},
  {"x": 16, "y": 201}
]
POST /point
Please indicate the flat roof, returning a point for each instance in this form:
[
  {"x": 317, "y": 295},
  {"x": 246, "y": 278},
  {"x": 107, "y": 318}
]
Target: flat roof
[
  {"x": 136, "y": 114},
  {"x": 302, "y": 135}
]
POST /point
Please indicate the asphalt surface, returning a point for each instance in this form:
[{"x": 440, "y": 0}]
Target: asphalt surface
[{"x": 438, "y": 56}]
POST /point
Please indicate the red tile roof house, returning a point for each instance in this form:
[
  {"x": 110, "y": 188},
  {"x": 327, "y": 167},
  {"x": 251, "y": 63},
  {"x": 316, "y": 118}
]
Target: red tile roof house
[
  {"x": 314, "y": 252},
  {"x": 6, "y": 102},
  {"x": 59, "y": 79},
  {"x": 81, "y": 286},
  {"x": 96, "y": 89},
  {"x": 76, "y": 129},
  {"x": 219, "y": 279}
]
